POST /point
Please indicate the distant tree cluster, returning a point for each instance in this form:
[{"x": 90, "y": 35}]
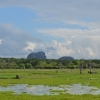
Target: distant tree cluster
[{"x": 15, "y": 63}]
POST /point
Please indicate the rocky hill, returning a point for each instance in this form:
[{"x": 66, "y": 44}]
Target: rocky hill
[
  {"x": 66, "y": 58},
  {"x": 38, "y": 55}
]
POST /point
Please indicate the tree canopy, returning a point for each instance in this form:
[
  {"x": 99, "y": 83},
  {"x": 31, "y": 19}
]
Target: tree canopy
[{"x": 16, "y": 63}]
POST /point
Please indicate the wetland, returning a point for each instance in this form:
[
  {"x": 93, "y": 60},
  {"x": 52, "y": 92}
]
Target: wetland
[{"x": 43, "y": 84}]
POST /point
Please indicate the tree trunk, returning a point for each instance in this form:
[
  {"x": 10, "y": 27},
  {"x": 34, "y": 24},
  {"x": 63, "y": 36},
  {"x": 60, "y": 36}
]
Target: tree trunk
[
  {"x": 90, "y": 70},
  {"x": 81, "y": 67}
]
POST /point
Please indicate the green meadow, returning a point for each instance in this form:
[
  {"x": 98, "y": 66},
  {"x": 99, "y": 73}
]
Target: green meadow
[{"x": 51, "y": 77}]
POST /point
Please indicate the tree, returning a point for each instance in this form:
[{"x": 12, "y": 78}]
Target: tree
[
  {"x": 28, "y": 66},
  {"x": 21, "y": 66}
]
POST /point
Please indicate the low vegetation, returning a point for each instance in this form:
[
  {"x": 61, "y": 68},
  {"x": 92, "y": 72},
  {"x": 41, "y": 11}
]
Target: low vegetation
[
  {"x": 52, "y": 77},
  {"x": 48, "y": 72}
]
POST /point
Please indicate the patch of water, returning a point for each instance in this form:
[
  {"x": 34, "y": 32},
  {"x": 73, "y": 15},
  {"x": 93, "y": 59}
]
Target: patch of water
[{"x": 76, "y": 89}]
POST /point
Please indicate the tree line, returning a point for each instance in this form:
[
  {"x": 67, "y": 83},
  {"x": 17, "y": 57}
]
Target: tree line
[{"x": 22, "y": 63}]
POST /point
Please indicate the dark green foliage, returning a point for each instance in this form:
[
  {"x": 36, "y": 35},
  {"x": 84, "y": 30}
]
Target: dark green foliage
[
  {"x": 66, "y": 58},
  {"x": 15, "y": 63}
]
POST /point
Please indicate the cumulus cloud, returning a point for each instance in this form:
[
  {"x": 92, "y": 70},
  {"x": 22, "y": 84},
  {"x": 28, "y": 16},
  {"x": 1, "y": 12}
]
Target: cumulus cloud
[
  {"x": 14, "y": 41},
  {"x": 75, "y": 42},
  {"x": 78, "y": 50},
  {"x": 78, "y": 43},
  {"x": 31, "y": 46}
]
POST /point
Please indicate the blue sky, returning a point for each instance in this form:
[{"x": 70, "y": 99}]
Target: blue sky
[{"x": 57, "y": 27}]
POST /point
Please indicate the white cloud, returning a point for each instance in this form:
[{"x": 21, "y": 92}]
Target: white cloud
[
  {"x": 75, "y": 42},
  {"x": 65, "y": 32},
  {"x": 84, "y": 13},
  {"x": 15, "y": 40},
  {"x": 0, "y": 41},
  {"x": 62, "y": 10},
  {"x": 90, "y": 51},
  {"x": 31, "y": 46},
  {"x": 76, "y": 49},
  {"x": 62, "y": 48}
]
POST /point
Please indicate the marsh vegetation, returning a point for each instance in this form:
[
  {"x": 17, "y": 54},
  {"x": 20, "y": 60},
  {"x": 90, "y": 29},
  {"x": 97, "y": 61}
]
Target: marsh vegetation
[{"x": 51, "y": 78}]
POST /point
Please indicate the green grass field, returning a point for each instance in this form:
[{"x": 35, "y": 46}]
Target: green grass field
[{"x": 48, "y": 77}]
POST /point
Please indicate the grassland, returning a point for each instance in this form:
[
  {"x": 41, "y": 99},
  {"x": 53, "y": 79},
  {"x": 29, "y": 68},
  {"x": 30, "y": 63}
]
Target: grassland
[{"x": 48, "y": 77}]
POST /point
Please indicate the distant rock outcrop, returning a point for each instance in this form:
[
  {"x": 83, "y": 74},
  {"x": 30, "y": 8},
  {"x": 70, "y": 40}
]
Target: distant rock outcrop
[
  {"x": 37, "y": 55},
  {"x": 66, "y": 58}
]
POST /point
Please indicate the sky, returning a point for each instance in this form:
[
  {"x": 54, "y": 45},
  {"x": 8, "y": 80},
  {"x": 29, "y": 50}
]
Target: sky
[{"x": 56, "y": 27}]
